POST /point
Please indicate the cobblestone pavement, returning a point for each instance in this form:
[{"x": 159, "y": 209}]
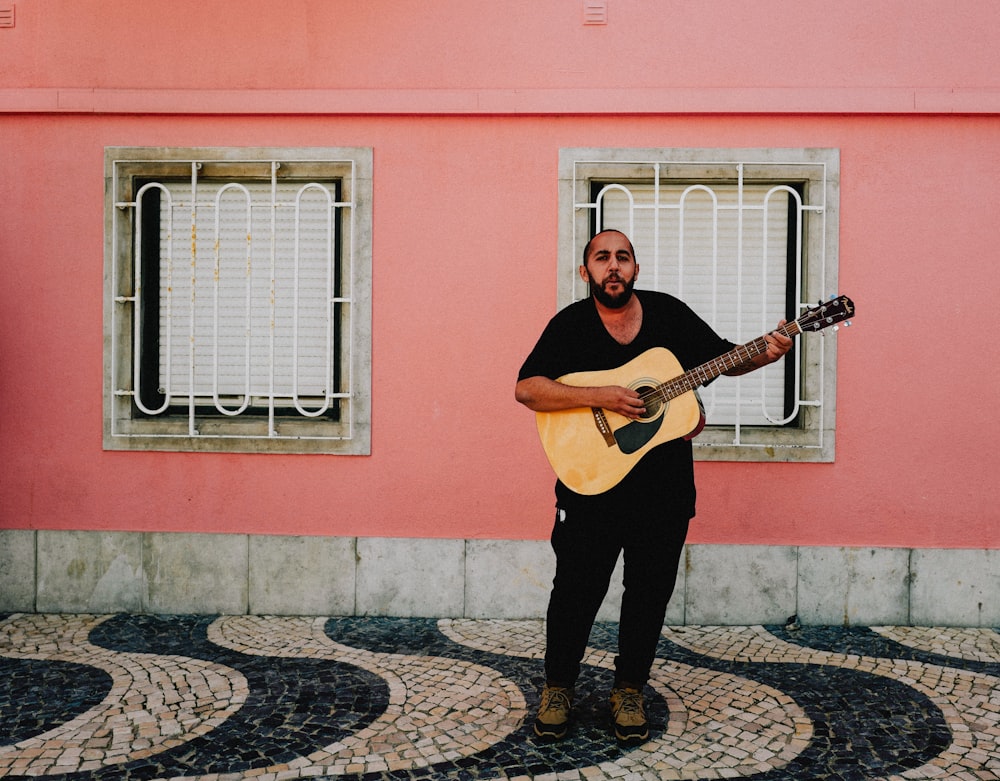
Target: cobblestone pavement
[{"x": 238, "y": 697}]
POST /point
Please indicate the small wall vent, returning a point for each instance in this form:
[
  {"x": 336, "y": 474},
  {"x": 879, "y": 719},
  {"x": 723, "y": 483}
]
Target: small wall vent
[
  {"x": 595, "y": 11},
  {"x": 6, "y": 14}
]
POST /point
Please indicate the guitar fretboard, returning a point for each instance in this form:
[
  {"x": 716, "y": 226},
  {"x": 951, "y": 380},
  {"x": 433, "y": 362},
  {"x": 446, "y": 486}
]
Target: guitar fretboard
[{"x": 735, "y": 358}]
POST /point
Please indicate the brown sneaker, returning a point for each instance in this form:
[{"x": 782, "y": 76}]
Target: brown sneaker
[
  {"x": 552, "y": 721},
  {"x": 628, "y": 715}
]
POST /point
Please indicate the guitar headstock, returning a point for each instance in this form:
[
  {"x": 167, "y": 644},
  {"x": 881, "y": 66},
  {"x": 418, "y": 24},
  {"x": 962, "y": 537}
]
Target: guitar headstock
[{"x": 837, "y": 310}]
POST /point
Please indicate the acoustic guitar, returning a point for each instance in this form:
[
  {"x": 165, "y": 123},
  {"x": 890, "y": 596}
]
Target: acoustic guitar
[{"x": 592, "y": 449}]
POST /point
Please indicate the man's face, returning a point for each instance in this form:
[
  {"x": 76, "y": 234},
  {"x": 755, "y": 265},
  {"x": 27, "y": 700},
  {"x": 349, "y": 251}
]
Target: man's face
[{"x": 610, "y": 269}]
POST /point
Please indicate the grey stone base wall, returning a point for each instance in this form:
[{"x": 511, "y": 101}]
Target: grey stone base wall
[{"x": 111, "y": 572}]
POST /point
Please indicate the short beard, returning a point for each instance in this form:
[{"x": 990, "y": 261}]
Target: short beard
[{"x": 609, "y": 300}]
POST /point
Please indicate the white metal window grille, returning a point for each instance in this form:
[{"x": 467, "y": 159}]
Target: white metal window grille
[
  {"x": 235, "y": 314},
  {"x": 238, "y": 324},
  {"x": 742, "y": 241},
  {"x": 724, "y": 250}
]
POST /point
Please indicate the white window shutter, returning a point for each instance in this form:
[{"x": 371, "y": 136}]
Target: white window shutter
[
  {"x": 725, "y": 254},
  {"x": 260, "y": 290}
]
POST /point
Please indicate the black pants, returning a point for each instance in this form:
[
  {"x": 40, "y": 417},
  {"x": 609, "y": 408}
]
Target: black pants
[{"x": 587, "y": 548}]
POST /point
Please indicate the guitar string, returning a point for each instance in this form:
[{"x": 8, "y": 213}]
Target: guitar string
[
  {"x": 711, "y": 369},
  {"x": 707, "y": 371},
  {"x": 719, "y": 365}
]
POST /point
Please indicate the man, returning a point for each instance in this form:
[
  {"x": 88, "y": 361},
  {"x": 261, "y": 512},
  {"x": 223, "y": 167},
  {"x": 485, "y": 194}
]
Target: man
[{"x": 646, "y": 514}]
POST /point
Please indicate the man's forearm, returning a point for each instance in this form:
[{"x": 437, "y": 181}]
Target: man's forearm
[{"x": 541, "y": 394}]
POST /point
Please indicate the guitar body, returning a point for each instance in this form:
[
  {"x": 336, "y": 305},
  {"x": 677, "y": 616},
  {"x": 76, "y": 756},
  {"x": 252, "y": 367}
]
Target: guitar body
[
  {"x": 591, "y": 458},
  {"x": 591, "y": 450}
]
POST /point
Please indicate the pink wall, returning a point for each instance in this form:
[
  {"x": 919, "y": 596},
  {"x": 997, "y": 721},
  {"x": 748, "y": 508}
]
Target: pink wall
[
  {"x": 464, "y": 275},
  {"x": 516, "y": 44}
]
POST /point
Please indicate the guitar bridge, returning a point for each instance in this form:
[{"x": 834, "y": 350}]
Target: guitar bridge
[{"x": 602, "y": 425}]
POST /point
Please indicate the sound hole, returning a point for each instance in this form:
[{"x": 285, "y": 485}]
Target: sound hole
[{"x": 653, "y": 405}]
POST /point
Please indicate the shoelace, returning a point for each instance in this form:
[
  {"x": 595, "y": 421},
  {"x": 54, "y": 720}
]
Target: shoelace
[
  {"x": 631, "y": 703},
  {"x": 555, "y": 699}
]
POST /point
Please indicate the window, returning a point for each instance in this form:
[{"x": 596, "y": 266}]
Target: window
[
  {"x": 237, "y": 311},
  {"x": 746, "y": 238}
]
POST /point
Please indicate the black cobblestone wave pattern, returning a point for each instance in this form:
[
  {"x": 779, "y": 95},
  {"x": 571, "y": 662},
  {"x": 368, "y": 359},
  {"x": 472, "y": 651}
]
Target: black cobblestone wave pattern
[
  {"x": 519, "y": 753},
  {"x": 294, "y": 705},
  {"x": 78, "y": 688},
  {"x": 865, "y": 726},
  {"x": 865, "y": 642}
]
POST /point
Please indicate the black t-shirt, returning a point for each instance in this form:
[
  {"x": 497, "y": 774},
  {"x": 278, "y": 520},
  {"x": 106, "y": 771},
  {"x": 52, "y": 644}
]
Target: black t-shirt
[{"x": 576, "y": 340}]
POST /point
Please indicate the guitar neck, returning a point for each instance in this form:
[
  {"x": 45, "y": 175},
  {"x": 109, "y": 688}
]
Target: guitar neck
[{"x": 738, "y": 356}]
